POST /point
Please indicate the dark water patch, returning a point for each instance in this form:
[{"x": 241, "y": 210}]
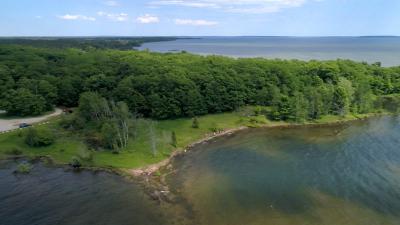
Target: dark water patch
[{"x": 54, "y": 196}]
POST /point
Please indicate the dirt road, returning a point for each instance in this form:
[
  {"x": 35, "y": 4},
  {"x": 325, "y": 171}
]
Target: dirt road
[{"x": 12, "y": 124}]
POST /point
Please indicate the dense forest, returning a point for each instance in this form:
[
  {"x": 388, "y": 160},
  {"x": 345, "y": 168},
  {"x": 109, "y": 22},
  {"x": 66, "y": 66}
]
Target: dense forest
[
  {"x": 162, "y": 86},
  {"x": 120, "y": 43}
]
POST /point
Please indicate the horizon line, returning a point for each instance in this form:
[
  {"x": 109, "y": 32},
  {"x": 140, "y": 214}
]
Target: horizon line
[{"x": 189, "y": 36}]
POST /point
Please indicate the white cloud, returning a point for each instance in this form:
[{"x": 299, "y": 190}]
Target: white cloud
[
  {"x": 120, "y": 17},
  {"x": 147, "y": 18},
  {"x": 76, "y": 17},
  {"x": 111, "y": 3},
  {"x": 195, "y": 22},
  {"x": 237, "y": 6},
  {"x": 197, "y": 4}
]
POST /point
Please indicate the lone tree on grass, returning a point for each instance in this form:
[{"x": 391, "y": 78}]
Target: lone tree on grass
[
  {"x": 195, "y": 123},
  {"x": 174, "y": 142}
]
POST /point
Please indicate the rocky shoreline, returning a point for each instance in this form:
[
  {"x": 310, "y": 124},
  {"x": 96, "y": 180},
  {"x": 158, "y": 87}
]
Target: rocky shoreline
[
  {"x": 155, "y": 184},
  {"x": 149, "y": 170},
  {"x": 153, "y": 168}
]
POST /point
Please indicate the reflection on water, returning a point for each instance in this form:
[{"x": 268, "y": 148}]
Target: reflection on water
[
  {"x": 345, "y": 174},
  {"x": 333, "y": 175}
]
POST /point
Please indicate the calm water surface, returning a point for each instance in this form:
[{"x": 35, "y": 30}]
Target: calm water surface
[
  {"x": 299, "y": 176},
  {"x": 50, "y": 196},
  {"x": 335, "y": 175},
  {"x": 369, "y": 49}
]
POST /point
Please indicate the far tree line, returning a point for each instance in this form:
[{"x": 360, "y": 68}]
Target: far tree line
[
  {"x": 84, "y": 43},
  {"x": 164, "y": 86}
]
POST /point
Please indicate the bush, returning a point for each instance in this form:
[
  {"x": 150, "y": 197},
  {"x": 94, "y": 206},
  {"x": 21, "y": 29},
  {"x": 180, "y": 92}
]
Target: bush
[
  {"x": 258, "y": 120},
  {"x": 257, "y": 110},
  {"x": 94, "y": 140},
  {"x": 85, "y": 155},
  {"x": 195, "y": 123},
  {"x": 23, "y": 168},
  {"x": 75, "y": 162},
  {"x": 216, "y": 129},
  {"x": 38, "y": 138},
  {"x": 14, "y": 151},
  {"x": 72, "y": 122}
]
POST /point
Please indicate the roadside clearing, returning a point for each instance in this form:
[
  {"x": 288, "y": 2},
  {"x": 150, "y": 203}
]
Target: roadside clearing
[{"x": 13, "y": 124}]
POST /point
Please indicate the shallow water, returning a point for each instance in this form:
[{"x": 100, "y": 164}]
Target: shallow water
[
  {"x": 369, "y": 49},
  {"x": 347, "y": 174},
  {"x": 333, "y": 175}
]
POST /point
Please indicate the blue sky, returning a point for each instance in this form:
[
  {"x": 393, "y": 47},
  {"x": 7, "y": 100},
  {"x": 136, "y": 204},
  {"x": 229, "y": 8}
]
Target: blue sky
[{"x": 199, "y": 17}]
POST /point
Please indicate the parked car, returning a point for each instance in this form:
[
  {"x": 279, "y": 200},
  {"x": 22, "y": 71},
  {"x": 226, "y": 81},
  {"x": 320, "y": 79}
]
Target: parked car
[{"x": 24, "y": 125}]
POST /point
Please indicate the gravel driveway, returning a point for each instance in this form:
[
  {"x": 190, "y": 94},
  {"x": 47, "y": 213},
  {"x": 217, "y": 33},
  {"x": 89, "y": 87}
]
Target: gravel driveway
[{"x": 12, "y": 124}]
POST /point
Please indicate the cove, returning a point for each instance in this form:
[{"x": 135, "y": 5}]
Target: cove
[
  {"x": 341, "y": 174},
  {"x": 304, "y": 175}
]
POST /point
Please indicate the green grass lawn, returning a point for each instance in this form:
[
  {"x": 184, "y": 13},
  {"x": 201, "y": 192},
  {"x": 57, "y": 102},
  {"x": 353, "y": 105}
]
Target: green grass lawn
[{"x": 139, "y": 152}]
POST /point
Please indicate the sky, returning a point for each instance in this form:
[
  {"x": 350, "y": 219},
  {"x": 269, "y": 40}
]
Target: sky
[{"x": 199, "y": 17}]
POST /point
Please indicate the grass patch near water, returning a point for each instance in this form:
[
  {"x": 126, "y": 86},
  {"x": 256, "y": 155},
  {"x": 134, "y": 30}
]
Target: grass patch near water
[{"x": 139, "y": 152}]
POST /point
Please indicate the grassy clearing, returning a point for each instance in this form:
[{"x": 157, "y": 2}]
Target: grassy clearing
[
  {"x": 61, "y": 151},
  {"x": 139, "y": 152}
]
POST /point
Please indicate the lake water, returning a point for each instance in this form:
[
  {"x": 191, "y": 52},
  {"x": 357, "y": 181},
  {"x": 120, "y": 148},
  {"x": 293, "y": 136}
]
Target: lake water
[
  {"x": 369, "y": 49},
  {"x": 336, "y": 175},
  {"x": 50, "y": 196},
  {"x": 333, "y": 175}
]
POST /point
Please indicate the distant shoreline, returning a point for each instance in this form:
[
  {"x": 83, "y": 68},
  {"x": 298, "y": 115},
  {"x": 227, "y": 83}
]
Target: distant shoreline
[
  {"x": 190, "y": 37},
  {"x": 362, "y": 49}
]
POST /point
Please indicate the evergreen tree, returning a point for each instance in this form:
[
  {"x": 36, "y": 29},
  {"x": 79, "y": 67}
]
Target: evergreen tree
[{"x": 340, "y": 102}]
